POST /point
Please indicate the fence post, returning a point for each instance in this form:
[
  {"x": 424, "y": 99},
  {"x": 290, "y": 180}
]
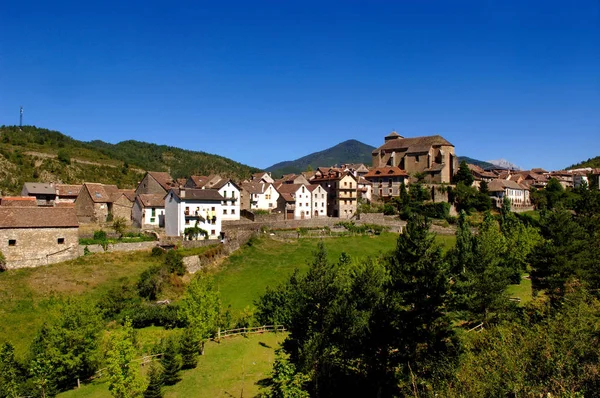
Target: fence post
[{"x": 219, "y": 335}]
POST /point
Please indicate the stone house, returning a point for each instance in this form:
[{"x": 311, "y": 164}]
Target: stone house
[
  {"x": 295, "y": 201},
  {"x": 431, "y": 155},
  {"x": 34, "y": 236},
  {"x": 263, "y": 176},
  {"x": 67, "y": 193},
  {"x": 149, "y": 211},
  {"x": 45, "y": 194},
  {"x": 292, "y": 179},
  {"x": 479, "y": 175},
  {"x": 386, "y": 181},
  {"x": 342, "y": 190},
  {"x": 122, "y": 204},
  {"x": 156, "y": 182},
  {"x": 95, "y": 202},
  {"x": 365, "y": 189},
  {"x": 257, "y": 195},
  {"x": 186, "y": 208}
]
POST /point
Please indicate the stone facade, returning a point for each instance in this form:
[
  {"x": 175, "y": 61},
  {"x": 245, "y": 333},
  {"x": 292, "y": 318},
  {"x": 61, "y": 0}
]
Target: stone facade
[
  {"x": 122, "y": 207},
  {"x": 32, "y": 247},
  {"x": 88, "y": 211}
]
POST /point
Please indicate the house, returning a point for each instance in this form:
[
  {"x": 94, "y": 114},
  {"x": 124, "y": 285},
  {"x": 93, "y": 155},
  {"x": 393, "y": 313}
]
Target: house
[
  {"x": 34, "y": 236},
  {"x": 18, "y": 201},
  {"x": 292, "y": 179},
  {"x": 295, "y": 201},
  {"x": 189, "y": 208},
  {"x": 479, "y": 175},
  {"x": 156, "y": 182},
  {"x": 386, "y": 181},
  {"x": 319, "y": 201},
  {"x": 45, "y": 194},
  {"x": 365, "y": 189},
  {"x": 149, "y": 211},
  {"x": 342, "y": 192},
  {"x": 357, "y": 169},
  {"x": 231, "y": 193},
  {"x": 431, "y": 155},
  {"x": 95, "y": 202},
  {"x": 66, "y": 193},
  {"x": 564, "y": 177},
  {"x": 263, "y": 177},
  {"x": 122, "y": 204},
  {"x": 202, "y": 181},
  {"x": 580, "y": 178},
  {"x": 518, "y": 194},
  {"x": 258, "y": 195}
]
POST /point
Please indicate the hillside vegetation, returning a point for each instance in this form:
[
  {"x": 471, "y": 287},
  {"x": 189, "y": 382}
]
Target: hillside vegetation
[
  {"x": 592, "y": 162},
  {"x": 37, "y": 154}
]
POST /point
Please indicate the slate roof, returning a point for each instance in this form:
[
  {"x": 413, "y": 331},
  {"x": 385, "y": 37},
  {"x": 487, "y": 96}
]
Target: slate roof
[
  {"x": 164, "y": 179},
  {"x": 198, "y": 194},
  {"x": 386, "y": 172},
  {"x": 19, "y": 201},
  {"x": 412, "y": 145},
  {"x": 101, "y": 193},
  {"x": 151, "y": 200},
  {"x": 39, "y": 188},
  {"x": 67, "y": 190},
  {"x": 38, "y": 217}
]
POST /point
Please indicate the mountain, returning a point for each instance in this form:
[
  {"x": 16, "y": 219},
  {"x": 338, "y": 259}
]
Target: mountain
[
  {"x": 481, "y": 163},
  {"x": 592, "y": 162},
  {"x": 351, "y": 151},
  {"x": 38, "y": 154},
  {"x": 504, "y": 164}
]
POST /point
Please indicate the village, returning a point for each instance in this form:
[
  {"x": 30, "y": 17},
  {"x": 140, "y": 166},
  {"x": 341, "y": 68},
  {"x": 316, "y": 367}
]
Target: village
[{"x": 42, "y": 226}]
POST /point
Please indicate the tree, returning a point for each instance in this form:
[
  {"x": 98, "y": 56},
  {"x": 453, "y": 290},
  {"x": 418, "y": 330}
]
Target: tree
[
  {"x": 123, "y": 374},
  {"x": 119, "y": 225},
  {"x": 41, "y": 372},
  {"x": 63, "y": 156},
  {"x": 189, "y": 347},
  {"x": 174, "y": 262},
  {"x": 483, "y": 188},
  {"x": 285, "y": 381},
  {"x": 171, "y": 362},
  {"x": 155, "y": 382},
  {"x": 68, "y": 343},
  {"x": 10, "y": 372},
  {"x": 200, "y": 307},
  {"x": 464, "y": 174}
]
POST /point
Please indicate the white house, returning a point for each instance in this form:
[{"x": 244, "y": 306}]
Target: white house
[
  {"x": 259, "y": 196},
  {"x": 517, "y": 194},
  {"x": 149, "y": 211},
  {"x": 231, "y": 203},
  {"x": 189, "y": 208},
  {"x": 295, "y": 201},
  {"x": 319, "y": 201}
]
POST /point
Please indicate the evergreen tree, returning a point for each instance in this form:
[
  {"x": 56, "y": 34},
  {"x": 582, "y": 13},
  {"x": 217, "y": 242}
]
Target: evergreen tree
[
  {"x": 483, "y": 188},
  {"x": 171, "y": 362},
  {"x": 464, "y": 174},
  {"x": 10, "y": 372},
  {"x": 155, "y": 382},
  {"x": 189, "y": 347}
]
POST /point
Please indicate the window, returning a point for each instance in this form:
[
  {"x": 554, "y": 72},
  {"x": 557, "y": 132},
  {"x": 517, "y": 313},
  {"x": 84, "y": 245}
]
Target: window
[
  {"x": 212, "y": 232},
  {"x": 212, "y": 209},
  {"x": 270, "y": 204},
  {"x": 187, "y": 221},
  {"x": 351, "y": 185},
  {"x": 417, "y": 158},
  {"x": 152, "y": 220},
  {"x": 224, "y": 194},
  {"x": 153, "y": 212},
  {"x": 232, "y": 211},
  {"x": 345, "y": 183},
  {"x": 322, "y": 205},
  {"x": 307, "y": 205},
  {"x": 307, "y": 213},
  {"x": 322, "y": 196},
  {"x": 299, "y": 204},
  {"x": 12, "y": 242},
  {"x": 224, "y": 211},
  {"x": 303, "y": 189},
  {"x": 60, "y": 241}
]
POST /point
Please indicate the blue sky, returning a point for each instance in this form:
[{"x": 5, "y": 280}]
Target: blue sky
[{"x": 262, "y": 82}]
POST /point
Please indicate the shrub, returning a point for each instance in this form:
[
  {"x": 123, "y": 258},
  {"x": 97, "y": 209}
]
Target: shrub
[
  {"x": 151, "y": 282},
  {"x": 157, "y": 251},
  {"x": 86, "y": 251},
  {"x": 64, "y": 157},
  {"x": 439, "y": 210},
  {"x": 174, "y": 262},
  {"x": 99, "y": 235}
]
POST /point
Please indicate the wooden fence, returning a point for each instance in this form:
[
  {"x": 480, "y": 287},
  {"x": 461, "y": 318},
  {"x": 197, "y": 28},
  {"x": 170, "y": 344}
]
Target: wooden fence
[{"x": 244, "y": 331}]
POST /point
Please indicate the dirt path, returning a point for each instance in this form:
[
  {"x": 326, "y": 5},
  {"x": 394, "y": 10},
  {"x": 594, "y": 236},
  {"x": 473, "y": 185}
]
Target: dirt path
[{"x": 75, "y": 160}]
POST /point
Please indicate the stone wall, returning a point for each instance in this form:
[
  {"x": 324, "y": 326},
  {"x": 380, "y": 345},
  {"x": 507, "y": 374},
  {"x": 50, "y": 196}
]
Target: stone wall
[
  {"x": 371, "y": 218},
  {"x": 33, "y": 247},
  {"x": 233, "y": 242},
  {"x": 118, "y": 247}
]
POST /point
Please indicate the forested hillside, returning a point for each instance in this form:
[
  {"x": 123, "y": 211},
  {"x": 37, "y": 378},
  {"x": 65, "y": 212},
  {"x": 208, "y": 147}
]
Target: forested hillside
[
  {"x": 37, "y": 154},
  {"x": 592, "y": 162}
]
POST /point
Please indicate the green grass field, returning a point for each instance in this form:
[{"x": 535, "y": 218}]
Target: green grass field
[
  {"x": 229, "y": 369},
  {"x": 522, "y": 291},
  {"x": 26, "y": 294}
]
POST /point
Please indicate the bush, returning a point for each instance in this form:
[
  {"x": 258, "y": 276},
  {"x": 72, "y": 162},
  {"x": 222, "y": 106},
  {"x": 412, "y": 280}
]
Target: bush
[
  {"x": 64, "y": 157},
  {"x": 99, "y": 235},
  {"x": 174, "y": 262},
  {"x": 151, "y": 282},
  {"x": 2, "y": 262},
  {"x": 146, "y": 315},
  {"x": 157, "y": 251},
  {"x": 439, "y": 210}
]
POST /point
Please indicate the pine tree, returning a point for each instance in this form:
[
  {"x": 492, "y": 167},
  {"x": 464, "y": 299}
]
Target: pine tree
[
  {"x": 9, "y": 372},
  {"x": 155, "y": 382},
  {"x": 189, "y": 347},
  {"x": 123, "y": 374},
  {"x": 464, "y": 174},
  {"x": 171, "y": 362}
]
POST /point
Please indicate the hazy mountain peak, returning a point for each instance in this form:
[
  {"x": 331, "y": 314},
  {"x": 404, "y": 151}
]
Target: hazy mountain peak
[{"x": 504, "y": 163}]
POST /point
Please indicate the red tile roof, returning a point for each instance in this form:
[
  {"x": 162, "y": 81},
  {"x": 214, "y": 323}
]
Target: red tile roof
[
  {"x": 38, "y": 217},
  {"x": 19, "y": 201},
  {"x": 386, "y": 172}
]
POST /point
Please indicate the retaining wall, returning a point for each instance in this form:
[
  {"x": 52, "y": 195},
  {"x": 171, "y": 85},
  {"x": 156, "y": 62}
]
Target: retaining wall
[{"x": 118, "y": 247}]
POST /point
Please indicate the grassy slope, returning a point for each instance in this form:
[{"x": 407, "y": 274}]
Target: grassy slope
[
  {"x": 27, "y": 294},
  {"x": 226, "y": 370}
]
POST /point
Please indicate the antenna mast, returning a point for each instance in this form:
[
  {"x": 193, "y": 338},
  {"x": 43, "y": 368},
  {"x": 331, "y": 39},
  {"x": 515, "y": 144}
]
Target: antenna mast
[{"x": 21, "y": 118}]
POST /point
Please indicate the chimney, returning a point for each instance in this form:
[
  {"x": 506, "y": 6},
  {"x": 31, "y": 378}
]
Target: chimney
[{"x": 182, "y": 193}]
